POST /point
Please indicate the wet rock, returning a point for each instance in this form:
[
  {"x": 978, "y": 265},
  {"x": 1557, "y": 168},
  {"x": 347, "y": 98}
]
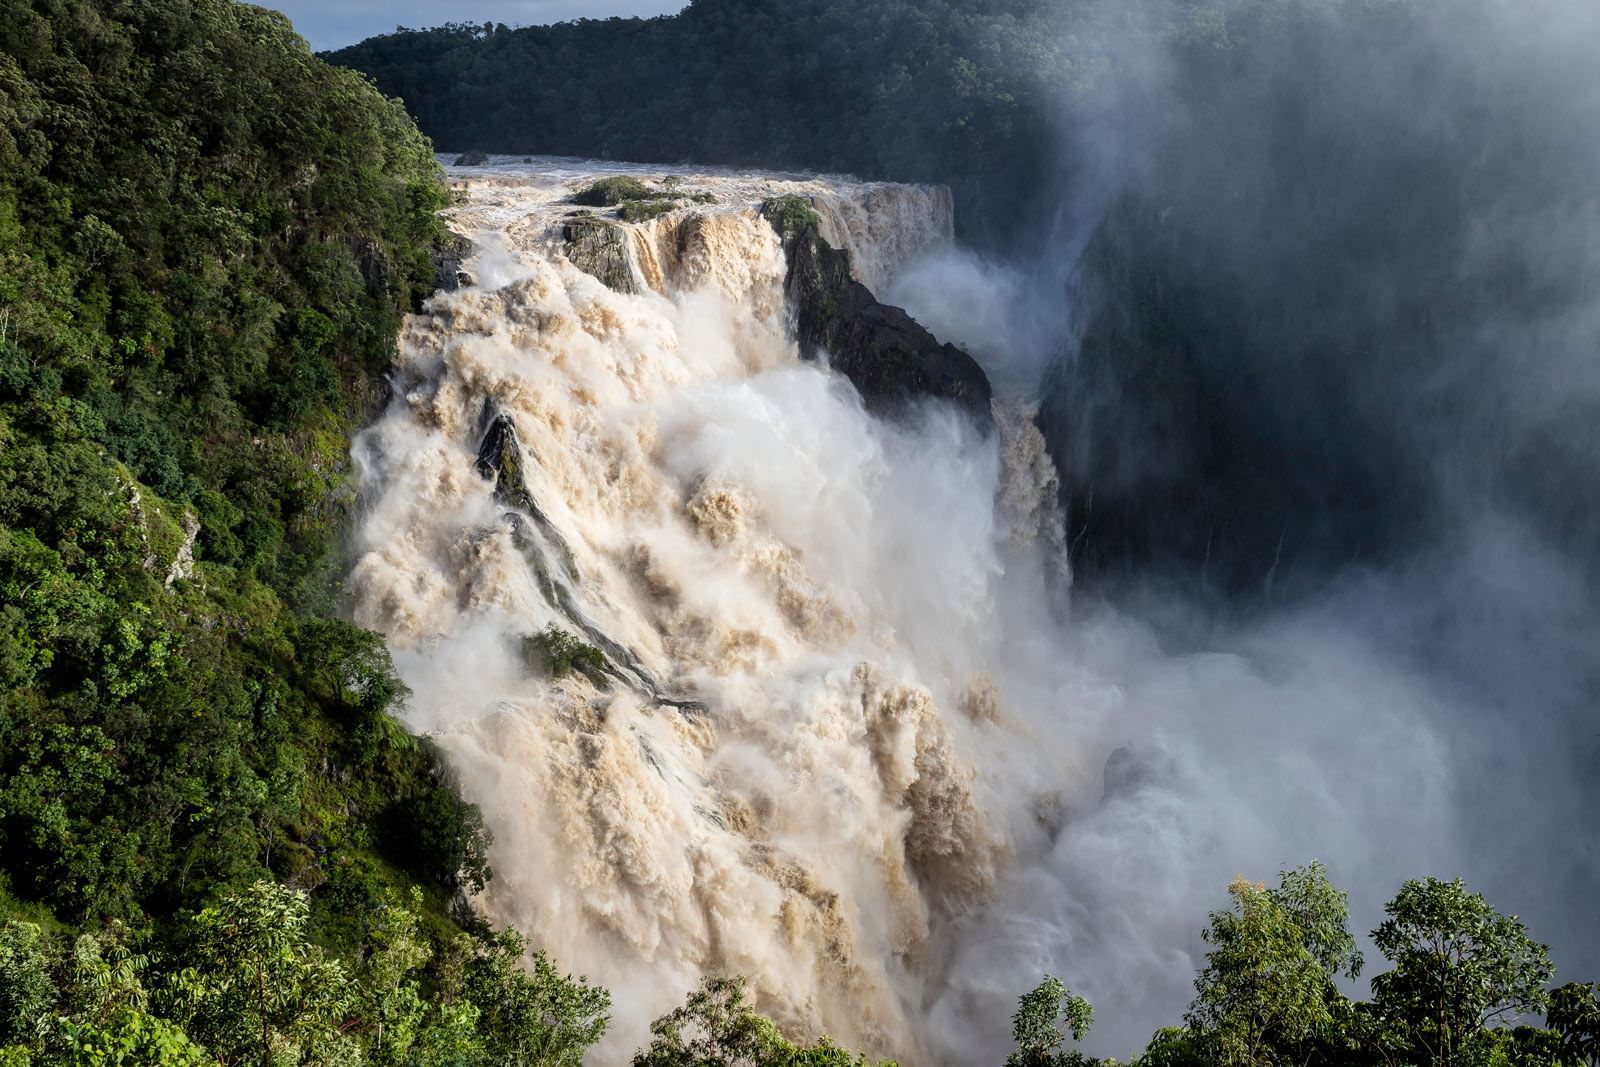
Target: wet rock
[
  {"x": 888, "y": 356},
  {"x": 599, "y": 247},
  {"x": 1133, "y": 769},
  {"x": 448, "y": 256}
]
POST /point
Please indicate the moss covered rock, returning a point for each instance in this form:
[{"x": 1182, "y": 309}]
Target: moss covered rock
[{"x": 610, "y": 192}]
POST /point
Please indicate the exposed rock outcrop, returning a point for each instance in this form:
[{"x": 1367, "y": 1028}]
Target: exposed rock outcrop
[
  {"x": 500, "y": 460},
  {"x": 448, "y": 256},
  {"x": 599, "y": 247},
  {"x": 887, "y": 355},
  {"x": 183, "y": 563}
]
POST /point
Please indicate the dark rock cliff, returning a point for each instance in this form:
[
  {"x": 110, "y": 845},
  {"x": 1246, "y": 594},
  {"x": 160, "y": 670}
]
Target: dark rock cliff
[
  {"x": 888, "y": 356},
  {"x": 450, "y": 254}
]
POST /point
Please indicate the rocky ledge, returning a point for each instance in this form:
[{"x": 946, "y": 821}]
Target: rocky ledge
[{"x": 888, "y": 356}]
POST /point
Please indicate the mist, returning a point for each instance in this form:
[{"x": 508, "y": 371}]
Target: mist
[{"x": 1321, "y": 389}]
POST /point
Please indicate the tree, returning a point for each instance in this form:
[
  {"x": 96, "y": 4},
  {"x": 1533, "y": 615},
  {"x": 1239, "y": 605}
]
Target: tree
[
  {"x": 27, "y": 992},
  {"x": 1036, "y": 1026},
  {"x": 82, "y": 1005},
  {"x": 130, "y": 1038},
  {"x": 1321, "y": 913},
  {"x": 1459, "y": 966},
  {"x": 1574, "y": 1013},
  {"x": 1176, "y": 1046},
  {"x": 715, "y": 1027},
  {"x": 388, "y": 995},
  {"x": 532, "y": 1017},
  {"x": 104, "y": 979},
  {"x": 256, "y": 988},
  {"x": 1268, "y": 981}
]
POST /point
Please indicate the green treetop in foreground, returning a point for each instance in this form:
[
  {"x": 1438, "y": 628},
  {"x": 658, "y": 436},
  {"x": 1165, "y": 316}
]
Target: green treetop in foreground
[{"x": 1464, "y": 984}]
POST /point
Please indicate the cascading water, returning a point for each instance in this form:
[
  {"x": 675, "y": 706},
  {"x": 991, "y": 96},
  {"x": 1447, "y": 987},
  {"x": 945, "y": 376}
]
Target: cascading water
[
  {"x": 846, "y": 741},
  {"x": 795, "y": 766}
]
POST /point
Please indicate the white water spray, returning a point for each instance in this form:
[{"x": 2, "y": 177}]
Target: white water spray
[
  {"x": 850, "y": 748},
  {"x": 732, "y": 525}
]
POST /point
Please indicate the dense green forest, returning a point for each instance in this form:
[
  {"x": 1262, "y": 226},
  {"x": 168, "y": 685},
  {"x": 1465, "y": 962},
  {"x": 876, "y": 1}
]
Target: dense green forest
[{"x": 213, "y": 834}]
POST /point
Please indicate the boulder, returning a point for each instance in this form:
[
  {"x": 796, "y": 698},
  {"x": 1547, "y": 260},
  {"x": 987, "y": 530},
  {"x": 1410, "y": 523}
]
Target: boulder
[{"x": 599, "y": 247}]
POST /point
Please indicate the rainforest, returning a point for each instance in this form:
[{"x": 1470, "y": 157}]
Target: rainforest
[{"x": 1043, "y": 532}]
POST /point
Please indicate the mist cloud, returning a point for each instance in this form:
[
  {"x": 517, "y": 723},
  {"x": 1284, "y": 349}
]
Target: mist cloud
[{"x": 1322, "y": 394}]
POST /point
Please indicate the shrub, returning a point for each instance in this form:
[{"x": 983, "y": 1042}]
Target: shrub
[
  {"x": 790, "y": 214},
  {"x": 559, "y": 653},
  {"x": 644, "y": 210}
]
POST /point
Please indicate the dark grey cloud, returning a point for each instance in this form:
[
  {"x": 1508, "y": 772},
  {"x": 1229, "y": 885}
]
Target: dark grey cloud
[{"x": 336, "y": 23}]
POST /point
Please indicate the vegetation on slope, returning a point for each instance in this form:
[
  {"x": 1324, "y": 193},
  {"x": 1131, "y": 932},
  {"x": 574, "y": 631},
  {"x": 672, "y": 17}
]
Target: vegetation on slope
[
  {"x": 1465, "y": 987},
  {"x": 208, "y": 815},
  {"x": 207, "y": 240}
]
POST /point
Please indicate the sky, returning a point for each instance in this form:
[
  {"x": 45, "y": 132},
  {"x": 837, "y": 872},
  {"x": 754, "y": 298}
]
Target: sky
[{"x": 336, "y": 23}]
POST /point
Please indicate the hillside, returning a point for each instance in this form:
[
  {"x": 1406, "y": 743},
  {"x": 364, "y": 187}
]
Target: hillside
[{"x": 208, "y": 239}]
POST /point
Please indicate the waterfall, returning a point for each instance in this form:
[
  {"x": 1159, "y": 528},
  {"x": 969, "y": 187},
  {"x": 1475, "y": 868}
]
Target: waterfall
[
  {"x": 792, "y": 766},
  {"x": 837, "y": 732}
]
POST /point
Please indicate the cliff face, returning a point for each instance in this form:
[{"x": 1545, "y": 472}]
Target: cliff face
[
  {"x": 888, "y": 356},
  {"x": 839, "y": 239},
  {"x": 599, "y": 247}
]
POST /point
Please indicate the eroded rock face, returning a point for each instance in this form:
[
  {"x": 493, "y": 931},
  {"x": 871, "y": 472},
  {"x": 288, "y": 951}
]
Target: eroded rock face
[
  {"x": 599, "y": 247},
  {"x": 888, "y": 356},
  {"x": 448, "y": 256}
]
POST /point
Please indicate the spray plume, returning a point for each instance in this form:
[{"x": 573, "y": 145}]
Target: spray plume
[{"x": 851, "y": 743}]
